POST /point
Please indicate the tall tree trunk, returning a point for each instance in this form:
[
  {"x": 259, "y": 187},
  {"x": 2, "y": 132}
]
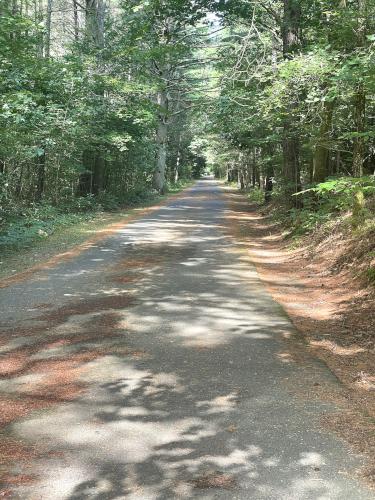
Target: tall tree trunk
[
  {"x": 240, "y": 171},
  {"x": 291, "y": 27},
  {"x": 291, "y": 34},
  {"x": 75, "y": 16},
  {"x": 321, "y": 153},
  {"x": 268, "y": 187},
  {"x": 359, "y": 147},
  {"x": 39, "y": 18},
  {"x": 41, "y": 177},
  {"x": 241, "y": 181},
  {"x": 98, "y": 173},
  {"x": 42, "y": 50},
  {"x": 270, "y": 174},
  {"x": 161, "y": 142},
  {"x": 95, "y": 23},
  {"x": 19, "y": 180},
  {"x": 254, "y": 167},
  {"x": 47, "y": 45},
  {"x": 178, "y": 160},
  {"x": 291, "y": 164},
  {"x": 94, "y": 32}
]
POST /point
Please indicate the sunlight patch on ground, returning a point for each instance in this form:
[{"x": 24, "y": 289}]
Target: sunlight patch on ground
[{"x": 337, "y": 349}]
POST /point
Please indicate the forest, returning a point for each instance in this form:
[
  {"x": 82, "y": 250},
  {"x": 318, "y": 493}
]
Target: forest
[
  {"x": 104, "y": 102},
  {"x": 187, "y": 249}
]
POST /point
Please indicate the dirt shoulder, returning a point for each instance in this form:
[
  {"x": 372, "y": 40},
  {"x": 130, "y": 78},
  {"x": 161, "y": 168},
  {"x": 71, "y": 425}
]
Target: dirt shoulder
[{"x": 332, "y": 311}]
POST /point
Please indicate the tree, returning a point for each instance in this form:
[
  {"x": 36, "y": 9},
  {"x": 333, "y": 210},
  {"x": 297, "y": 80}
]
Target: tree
[
  {"x": 168, "y": 34},
  {"x": 296, "y": 80},
  {"x": 291, "y": 35},
  {"x": 105, "y": 100}
]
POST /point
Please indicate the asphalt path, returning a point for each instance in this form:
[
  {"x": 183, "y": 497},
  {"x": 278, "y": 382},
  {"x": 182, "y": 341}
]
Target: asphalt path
[{"x": 156, "y": 358}]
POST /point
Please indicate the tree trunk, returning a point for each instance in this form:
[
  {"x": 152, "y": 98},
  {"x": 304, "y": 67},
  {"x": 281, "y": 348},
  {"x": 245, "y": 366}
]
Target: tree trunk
[
  {"x": 359, "y": 147},
  {"x": 47, "y": 45},
  {"x": 268, "y": 188},
  {"x": 291, "y": 34},
  {"x": 18, "y": 188},
  {"x": 38, "y": 17},
  {"x": 98, "y": 173},
  {"x": 291, "y": 167},
  {"x": 95, "y": 22},
  {"x": 253, "y": 167},
  {"x": 177, "y": 167},
  {"x": 258, "y": 176},
  {"x": 268, "y": 181},
  {"x": 41, "y": 175},
  {"x": 161, "y": 142},
  {"x": 178, "y": 160},
  {"x": 94, "y": 32},
  {"x": 321, "y": 153},
  {"x": 291, "y": 27},
  {"x": 241, "y": 182},
  {"x": 75, "y": 16}
]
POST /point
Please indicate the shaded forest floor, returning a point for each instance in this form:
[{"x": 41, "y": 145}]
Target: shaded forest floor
[{"x": 316, "y": 284}]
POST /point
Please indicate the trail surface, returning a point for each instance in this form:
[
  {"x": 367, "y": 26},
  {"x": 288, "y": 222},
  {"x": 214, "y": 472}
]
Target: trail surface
[{"x": 153, "y": 363}]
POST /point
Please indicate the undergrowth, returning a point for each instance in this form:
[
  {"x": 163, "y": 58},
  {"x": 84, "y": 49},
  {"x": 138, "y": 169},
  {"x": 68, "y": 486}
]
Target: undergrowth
[
  {"x": 369, "y": 274},
  {"x": 350, "y": 199},
  {"x": 345, "y": 206},
  {"x": 256, "y": 196}
]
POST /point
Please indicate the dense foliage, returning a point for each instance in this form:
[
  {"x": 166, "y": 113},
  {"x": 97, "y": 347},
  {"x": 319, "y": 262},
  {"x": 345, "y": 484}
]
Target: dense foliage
[
  {"x": 297, "y": 100},
  {"x": 102, "y": 102},
  {"x": 80, "y": 106}
]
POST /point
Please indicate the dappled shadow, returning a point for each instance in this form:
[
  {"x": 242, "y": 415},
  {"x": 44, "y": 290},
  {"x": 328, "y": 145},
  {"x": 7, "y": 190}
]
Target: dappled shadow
[
  {"x": 328, "y": 299},
  {"x": 331, "y": 308},
  {"x": 181, "y": 383}
]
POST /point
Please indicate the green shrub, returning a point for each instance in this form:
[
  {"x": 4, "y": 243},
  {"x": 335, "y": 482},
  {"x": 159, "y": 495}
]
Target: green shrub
[
  {"x": 23, "y": 225},
  {"x": 340, "y": 194},
  {"x": 88, "y": 203},
  {"x": 174, "y": 187},
  {"x": 108, "y": 201},
  {"x": 256, "y": 195},
  {"x": 329, "y": 199},
  {"x": 370, "y": 275}
]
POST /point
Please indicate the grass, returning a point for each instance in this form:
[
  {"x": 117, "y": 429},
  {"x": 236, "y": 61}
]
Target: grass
[
  {"x": 370, "y": 275},
  {"x": 16, "y": 258}
]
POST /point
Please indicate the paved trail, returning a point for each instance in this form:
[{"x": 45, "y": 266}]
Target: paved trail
[{"x": 153, "y": 362}]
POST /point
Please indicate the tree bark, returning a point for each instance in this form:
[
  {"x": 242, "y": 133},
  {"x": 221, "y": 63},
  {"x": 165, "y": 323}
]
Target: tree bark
[
  {"x": 94, "y": 32},
  {"x": 75, "y": 16},
  {"x": 268, "y": 188},
  {"x": 39, "y": 17},
  {"x": 98, "y": 173},
  {"x": 47, "y": 47},
  {"x": 291, "y": 27},
  {"x": 321, "y": 153},
  {"x": 268, "y": 181},
  {"x": 178, "y": 161},
  {"x": 291, "y": 163},
  {"x": 161, "y": 142},
  {"x": 95, "y": 22},
  {"x": 291, "y": 34},
  {"x": 41, "y": 176},
  {"x": 359, "y": 147},
  {"x": 241, "y": 181},
  {"x": 254, "y": 168}
]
